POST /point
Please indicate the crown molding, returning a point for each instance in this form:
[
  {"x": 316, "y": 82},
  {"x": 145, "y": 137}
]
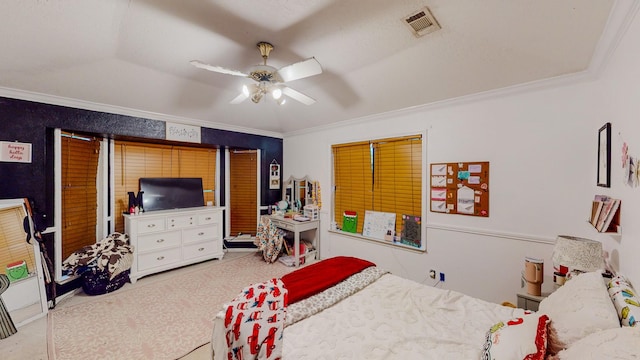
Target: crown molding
[{"x": 112, "y": 109}]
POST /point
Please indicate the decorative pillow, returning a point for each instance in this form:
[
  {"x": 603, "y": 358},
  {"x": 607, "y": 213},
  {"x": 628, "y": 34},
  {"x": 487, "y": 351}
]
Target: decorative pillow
[
  {"x": 619, "y": 343},
  {"x": 520, "y": 338},
  {"x": 625, "y": 300},
  {"x": 580, "y": 307}
]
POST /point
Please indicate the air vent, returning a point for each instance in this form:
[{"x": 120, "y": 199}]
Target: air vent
[{"x": 421, "y": 22}]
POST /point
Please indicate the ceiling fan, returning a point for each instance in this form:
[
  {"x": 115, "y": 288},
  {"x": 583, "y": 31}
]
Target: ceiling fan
[{"x": 269, "y": 80}]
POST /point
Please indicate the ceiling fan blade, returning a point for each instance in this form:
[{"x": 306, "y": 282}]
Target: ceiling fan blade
[
  {"x": 238, "y": 99},
  {"x": 218, "y": 69},
  {"x": 300, "y": 70},
  {"x": 296, "y": 95}
]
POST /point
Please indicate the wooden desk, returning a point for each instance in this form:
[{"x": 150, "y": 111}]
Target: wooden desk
[{"x": 297, "y": 227}]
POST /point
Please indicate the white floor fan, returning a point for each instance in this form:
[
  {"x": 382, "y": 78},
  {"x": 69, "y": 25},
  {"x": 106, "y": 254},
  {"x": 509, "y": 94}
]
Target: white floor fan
[{"x": 269, "y": 80}]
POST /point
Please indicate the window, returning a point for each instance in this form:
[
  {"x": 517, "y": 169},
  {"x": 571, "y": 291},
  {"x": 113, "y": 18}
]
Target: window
[
  {"x": 243, "y": 195},
  {"x": 79, "y": 155},
  {"x": 133, "y": 161},
  {"x": 382, "y": 175}
]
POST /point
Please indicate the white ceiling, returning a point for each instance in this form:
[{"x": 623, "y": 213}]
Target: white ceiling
[{"x": 134, "y": 55}]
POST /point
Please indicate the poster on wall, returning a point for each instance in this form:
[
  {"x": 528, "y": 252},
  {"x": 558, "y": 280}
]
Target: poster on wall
[
  {"x": 15, "y": 152},
  {"x": 460, "y": 188},
  {"x": 274, "y": 176}
]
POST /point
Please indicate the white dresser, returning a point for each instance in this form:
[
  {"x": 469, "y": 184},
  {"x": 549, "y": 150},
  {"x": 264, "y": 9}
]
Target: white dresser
[{"x": 167, "y": 239}]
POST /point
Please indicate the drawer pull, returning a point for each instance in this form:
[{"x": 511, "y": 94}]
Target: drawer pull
[
  {"x": 208, "y": 218},
  {"x": 160, "y": 241},
  {"x": 151, "y": 225},
  {"x": 160, "y": 258},
  {"x": 200, "y": 233},
  {"x": 201, "y": 249}
]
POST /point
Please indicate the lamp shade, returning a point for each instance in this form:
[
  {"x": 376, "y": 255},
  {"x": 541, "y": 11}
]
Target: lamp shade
[{"x": 577, "y": 253}]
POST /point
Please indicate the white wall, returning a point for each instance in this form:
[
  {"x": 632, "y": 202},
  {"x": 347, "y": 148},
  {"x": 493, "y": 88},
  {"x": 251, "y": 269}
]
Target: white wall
[{"x": 542, "y": 148}]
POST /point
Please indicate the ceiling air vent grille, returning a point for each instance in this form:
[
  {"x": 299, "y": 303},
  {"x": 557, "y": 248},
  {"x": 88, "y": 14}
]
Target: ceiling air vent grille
[{"x": 421, "y": 22}]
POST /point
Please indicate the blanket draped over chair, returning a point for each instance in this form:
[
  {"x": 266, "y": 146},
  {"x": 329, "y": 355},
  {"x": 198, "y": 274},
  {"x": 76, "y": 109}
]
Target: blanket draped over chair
[{"x": 269, "y": 239}]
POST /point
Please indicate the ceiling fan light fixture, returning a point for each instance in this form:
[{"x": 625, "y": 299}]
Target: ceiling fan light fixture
[
  {"x": 282, "y": 100},
  {"x": 256, "y": 96},
  {"x": 245, "y": 90},
  {"x": 276, "y": 93}
]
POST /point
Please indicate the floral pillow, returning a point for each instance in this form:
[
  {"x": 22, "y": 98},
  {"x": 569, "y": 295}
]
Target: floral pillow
[
  {"x": 520, "y": 338},
  {"x": 625, "y": 300}
]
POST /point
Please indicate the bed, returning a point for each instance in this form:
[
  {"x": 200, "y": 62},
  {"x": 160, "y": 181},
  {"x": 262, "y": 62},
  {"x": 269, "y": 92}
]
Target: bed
[{"x": 347, "y": 308}]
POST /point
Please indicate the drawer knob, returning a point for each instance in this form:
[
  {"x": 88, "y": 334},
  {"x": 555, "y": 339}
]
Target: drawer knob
[
  {"x": 151, "y": 225},
  {"x": 208, "y": 218},
  {"x": 200, "y": 233},
  {"x": 201, "y": 249},
  {"x": 160, "y": 240},
  {"x": 160, "y": 258}
]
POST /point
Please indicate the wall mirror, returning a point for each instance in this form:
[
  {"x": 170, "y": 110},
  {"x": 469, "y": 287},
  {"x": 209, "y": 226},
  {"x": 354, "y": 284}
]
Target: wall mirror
[
  {"x": 299, "y": 192},
  {"x": 26, "y": 298}
]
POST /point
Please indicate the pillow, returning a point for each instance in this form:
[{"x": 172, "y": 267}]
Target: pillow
[
  {"x": 520, "y": 338},
  {"x": 625, "y": 301},
  {"x": 619, "y": 343},
  {"x": 580, "y": 307}
]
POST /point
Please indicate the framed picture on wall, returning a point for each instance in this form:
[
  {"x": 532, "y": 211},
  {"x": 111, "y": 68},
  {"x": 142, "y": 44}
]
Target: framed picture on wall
[
  {"x": 274, "y": 176},
  {"x": 604, "y": 155}
]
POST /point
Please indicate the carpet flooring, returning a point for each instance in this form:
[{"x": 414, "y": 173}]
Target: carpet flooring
[{"x": 166, "y": 319}]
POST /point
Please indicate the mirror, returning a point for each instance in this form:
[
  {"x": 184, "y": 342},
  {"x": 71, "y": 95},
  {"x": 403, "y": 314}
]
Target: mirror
[
  {"x": 299, "y": 192},
  {"x": 25, "y": 298}
]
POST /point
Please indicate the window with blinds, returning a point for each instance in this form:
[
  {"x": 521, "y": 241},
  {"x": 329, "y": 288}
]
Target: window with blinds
[
  {"x": 382, "y": 175},
  {"x": 79, "y": 157},
  {"x": 243, "y": 195},
  {"x": 134, "y": 160},
  {"x": 13, "y": 245}
]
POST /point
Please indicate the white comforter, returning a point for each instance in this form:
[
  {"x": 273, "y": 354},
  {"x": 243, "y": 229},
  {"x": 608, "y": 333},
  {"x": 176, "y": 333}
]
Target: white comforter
[{"x": 395, "y": 318}]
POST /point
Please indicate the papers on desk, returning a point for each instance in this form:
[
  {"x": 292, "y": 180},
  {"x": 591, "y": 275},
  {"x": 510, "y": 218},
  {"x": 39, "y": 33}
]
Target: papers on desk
[{"x": 300, "y": 218}]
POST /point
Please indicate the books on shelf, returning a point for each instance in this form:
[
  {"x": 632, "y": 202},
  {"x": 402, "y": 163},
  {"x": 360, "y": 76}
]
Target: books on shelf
[
  {"x": 596, "y": 207},
  {"x": 603, "y": 211},
  {"x": 611, "y": 215}
]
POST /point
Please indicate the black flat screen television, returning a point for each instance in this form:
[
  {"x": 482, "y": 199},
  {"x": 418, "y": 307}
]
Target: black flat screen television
[{"x": 171, "y": 193}]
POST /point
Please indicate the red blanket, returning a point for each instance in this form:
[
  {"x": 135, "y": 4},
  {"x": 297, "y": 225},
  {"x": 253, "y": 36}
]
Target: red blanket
[{"x": 316, "y": 277}]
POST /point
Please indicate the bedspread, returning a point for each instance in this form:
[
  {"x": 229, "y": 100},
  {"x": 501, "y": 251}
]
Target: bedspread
[{"x": 395, "y": 318}]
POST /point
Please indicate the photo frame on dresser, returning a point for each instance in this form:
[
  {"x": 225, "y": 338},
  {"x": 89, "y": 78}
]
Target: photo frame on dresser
[{"x": 604, "y": 155}]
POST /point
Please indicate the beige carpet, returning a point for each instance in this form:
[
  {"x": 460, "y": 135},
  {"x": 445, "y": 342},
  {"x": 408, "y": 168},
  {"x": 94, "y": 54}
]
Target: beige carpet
[{"x": 166, "y": 319}]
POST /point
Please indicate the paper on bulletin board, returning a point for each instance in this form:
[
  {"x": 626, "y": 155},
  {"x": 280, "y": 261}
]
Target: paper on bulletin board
[
  {"x": 378, "y": 224},
  {"x": 460, "y": 188}
]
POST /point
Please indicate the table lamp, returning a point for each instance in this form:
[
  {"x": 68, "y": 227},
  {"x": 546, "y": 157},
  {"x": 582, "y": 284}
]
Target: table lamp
[{"x": 572, "y": 255}]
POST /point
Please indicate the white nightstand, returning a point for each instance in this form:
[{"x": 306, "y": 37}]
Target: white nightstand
[{"x": 532, "y": 302}]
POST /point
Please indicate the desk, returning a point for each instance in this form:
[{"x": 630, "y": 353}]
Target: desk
[{"x": 297, "y": 227}]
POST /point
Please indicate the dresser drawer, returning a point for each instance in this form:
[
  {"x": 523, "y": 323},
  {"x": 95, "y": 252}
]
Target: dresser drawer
[
  {"x": 200, "y": 233},
  {"x": 158, "y": 241},
  {"x": 178, "y": 222},
  {"x": 158, "y": 258},
  {"x": 283, "y": 225},
  {"x": 150, "y": 225},
  {"x": 205, "y": 219},
  {"x": 205, "y": 248}
]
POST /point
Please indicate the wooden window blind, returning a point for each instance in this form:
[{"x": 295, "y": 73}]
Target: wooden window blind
[
  {"x": 383, "y": 175},
  {"x": 243, "y": 179},
  {"x": 79, "y": 192},
  {"x": 134, "y": 160},
  {"x": 353, "y": 180},
  {"x": 13, "y": 245}
]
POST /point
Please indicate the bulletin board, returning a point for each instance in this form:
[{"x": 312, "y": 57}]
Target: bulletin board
[{"x": 460, "y": 188}]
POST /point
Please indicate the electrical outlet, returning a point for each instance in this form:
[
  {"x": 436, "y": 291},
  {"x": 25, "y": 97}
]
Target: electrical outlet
[
  {"x": 432, "y": 274},
  {"x": 442, "y": 277}
]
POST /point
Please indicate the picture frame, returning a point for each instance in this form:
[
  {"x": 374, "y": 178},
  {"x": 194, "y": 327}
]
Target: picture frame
[
  {"x": 604, "y": 156},
  {"x": 274, "y": 175}
]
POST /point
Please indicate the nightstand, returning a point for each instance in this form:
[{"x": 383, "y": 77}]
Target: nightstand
[{"x": 532, "y": 302}]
